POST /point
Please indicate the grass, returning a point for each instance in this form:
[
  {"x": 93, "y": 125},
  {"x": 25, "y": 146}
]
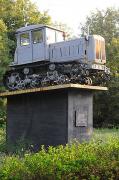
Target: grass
[
  {"x": 98, "y": 135},
  {"x": 104, "y": 134}
]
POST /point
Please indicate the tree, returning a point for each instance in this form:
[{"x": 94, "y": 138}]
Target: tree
[
  {"x": 13, "y": 15},
  {"x": 106, "y": 24},
  {"x": 3, "y": 49},
  {"x": 112, "y": 50},
  {"x": 68, "y": 31},
  {"x": 18, "y": 13}
]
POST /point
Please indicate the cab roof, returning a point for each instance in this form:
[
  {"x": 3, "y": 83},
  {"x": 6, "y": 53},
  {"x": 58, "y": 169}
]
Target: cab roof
[{"x": 37, "y": 26}]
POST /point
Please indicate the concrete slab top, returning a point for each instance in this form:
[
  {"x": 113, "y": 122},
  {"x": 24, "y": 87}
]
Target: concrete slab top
[{"x": 56, "y": 87}]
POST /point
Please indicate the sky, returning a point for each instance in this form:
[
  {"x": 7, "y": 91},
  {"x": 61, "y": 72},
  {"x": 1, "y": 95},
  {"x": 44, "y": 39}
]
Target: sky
[{"x": 73, "y": 12}]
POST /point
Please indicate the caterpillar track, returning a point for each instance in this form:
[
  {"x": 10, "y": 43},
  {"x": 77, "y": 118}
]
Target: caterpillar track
[{"x": 53, "y": 74}]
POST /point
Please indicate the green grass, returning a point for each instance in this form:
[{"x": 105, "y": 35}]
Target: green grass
[
  {"x": 104, "y": 134},
  {"x": 95, "y": 160}
]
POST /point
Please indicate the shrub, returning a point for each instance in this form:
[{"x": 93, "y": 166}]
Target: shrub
[
  {"x": 2, "y": 118},
  {"x": 98, "y": 159},
  {"x": 2, "y": 140}
]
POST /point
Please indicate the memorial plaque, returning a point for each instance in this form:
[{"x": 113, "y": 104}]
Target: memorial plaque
[{"x": 82, "y": 116}]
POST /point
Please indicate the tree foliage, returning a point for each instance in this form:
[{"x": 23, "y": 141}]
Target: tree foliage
[
  {"x": 64, "y": 27},
  {"x": 13, "y": 15},
  {"x": 105, "y": 23},
  {"x": 4, "y": 60},
  {"x": 113, "y": 54},
  {"x": 106, "y": 106},
  {"x": 18, "y": 13},
  {"x": 3, "y": 48}
]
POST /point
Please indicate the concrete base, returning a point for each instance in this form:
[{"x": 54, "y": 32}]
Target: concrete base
[{"x": 50, "y": 118}]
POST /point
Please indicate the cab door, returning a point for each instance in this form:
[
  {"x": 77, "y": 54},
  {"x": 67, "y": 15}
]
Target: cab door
[
  {"x": 38, "y": 44},
  {"x": 24, "y": 51}
]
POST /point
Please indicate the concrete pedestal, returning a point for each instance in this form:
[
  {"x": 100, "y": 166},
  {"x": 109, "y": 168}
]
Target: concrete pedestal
[{"x": 49, "y": 117}]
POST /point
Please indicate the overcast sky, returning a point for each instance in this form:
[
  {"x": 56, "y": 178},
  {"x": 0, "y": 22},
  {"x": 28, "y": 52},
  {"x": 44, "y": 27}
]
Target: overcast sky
[{"x": 73, "y": 12}]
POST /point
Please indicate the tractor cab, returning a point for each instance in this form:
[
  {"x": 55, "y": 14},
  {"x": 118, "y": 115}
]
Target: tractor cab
[{"x": 33, "y": 43}]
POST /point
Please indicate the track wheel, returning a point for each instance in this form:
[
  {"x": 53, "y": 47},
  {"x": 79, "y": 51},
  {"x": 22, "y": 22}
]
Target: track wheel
[
  {"x": 45, "y": 82},
  {"x": 12, "y": 80},
  {"x": 62, "y": 79},
  {"x": 88, "y": 81}
]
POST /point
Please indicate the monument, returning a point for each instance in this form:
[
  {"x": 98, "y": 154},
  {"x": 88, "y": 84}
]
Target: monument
[
  {"x": 50, "y": 86},
  {"x": 51, "y": 115}
]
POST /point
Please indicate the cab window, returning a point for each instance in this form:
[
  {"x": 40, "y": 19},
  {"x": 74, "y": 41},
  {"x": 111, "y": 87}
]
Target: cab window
[
  {"x": 59, "y": 36},
  {"x": 50, "y": 36},
  {"x": 24, "y": 39},
  {"x": 37, "y": 36}
]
